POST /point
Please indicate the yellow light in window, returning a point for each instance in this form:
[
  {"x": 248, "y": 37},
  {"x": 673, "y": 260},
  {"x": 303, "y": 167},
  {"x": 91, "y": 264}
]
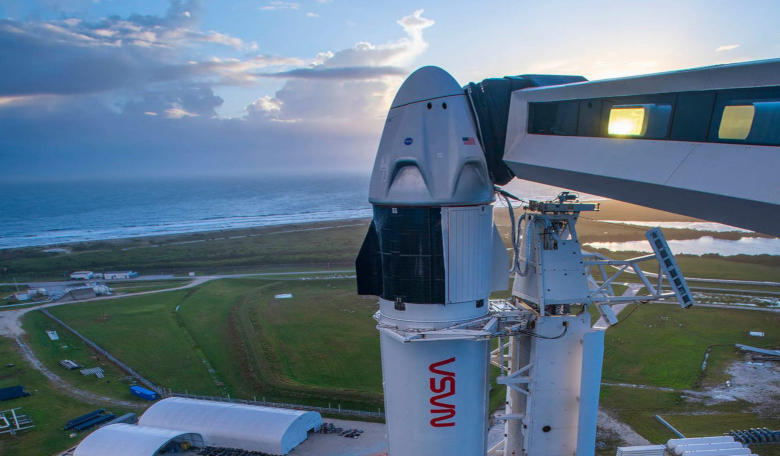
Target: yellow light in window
[
  {"x": 736, "y": 122},
  {"x": 626, "y": 121}
]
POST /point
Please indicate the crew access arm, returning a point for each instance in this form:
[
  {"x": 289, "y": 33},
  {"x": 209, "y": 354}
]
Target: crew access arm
[{"x": 703, "y": 142}]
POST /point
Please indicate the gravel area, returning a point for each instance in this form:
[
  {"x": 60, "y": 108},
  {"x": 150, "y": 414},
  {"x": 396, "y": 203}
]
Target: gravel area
[
  {"x": 757, "y": 384},
  {"x": 373, "y": 441},
  {"x": 613, "y": 426}
]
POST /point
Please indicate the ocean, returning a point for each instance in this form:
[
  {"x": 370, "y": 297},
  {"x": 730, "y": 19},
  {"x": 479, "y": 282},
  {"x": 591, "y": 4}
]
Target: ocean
[{"x": 52, "y": 213}]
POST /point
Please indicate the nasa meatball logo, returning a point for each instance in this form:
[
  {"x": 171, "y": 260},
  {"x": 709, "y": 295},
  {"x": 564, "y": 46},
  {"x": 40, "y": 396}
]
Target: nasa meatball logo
[
  {"x": 441, "y": 388},
  {"x": 408, "y": 141}
]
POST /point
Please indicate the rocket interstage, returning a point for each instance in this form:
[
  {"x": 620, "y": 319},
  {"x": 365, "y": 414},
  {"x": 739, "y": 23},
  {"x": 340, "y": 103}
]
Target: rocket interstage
[{"x": 433, "y": 256}]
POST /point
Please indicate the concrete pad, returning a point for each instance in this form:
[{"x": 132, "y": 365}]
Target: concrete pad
[{"x": 373, "y": 441}]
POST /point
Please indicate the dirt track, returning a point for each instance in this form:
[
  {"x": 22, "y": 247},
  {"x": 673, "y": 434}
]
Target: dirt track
[{"x": 66, "y": 387}]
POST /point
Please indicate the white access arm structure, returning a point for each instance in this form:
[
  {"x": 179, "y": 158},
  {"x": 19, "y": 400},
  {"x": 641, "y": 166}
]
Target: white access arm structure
[{"x": 708, "y": 143}]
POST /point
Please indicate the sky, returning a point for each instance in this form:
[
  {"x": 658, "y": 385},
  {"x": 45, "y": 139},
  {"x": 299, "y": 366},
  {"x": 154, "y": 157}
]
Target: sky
[{"x": 94, "y": 89}]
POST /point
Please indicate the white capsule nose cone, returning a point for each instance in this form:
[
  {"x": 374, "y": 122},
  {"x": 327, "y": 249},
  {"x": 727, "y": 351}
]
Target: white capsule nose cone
[{"x": 425, "y": 84}]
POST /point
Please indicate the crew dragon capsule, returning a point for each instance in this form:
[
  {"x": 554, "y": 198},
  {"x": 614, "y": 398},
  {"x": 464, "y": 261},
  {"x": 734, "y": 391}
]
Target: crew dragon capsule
[{"x": 433, "y": 256}]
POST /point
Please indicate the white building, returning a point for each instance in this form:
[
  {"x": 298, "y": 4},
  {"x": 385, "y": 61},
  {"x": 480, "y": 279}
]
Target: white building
[
  {"x": 224, "y": 424},
  {"x": 81, "y": 275},
  {"x": 131, "y": 440},
  {"x": 119, "y": 275},
  {"x": 38, "y": 292}
]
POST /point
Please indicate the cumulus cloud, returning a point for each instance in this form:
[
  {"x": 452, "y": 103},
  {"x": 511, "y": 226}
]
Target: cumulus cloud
[
  {"x": 353, "y": 85},
  {"x": 727, "y": 47},
  {"x": 139, "y": 95},
  {"x": 72, "y": 56},
  {"x": 414, "y": 24},
  {"x": 265, "y": 104}
]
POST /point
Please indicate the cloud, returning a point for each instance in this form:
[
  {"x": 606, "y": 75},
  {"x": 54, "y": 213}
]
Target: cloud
[
  {"x": 415, "y": 24},
  {"x": 177, "y": 112},
  {"x": 84, "y": 139},
  {"x": 138, "y": 95},
  {"x": 265, "y": 104},
  {"x": 727, "y": 47},
  {"x": 279, "y": 5},
  {"x": 352, "y": 86},
  {"x": 310, "y": 14},
  {"x": 72, "y": 56},
  {"x": 337, "y": 73}
]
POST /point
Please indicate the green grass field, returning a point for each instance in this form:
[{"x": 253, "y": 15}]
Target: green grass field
[
  {"x": 637, "y": 407},
  {"x": 310, "y": 244},
  {"x": 308, "y": 348},
  {"x": 258, "y": 346},
  {"x": 319, "y": 348},
  {"x": 51, "y": 352},
  {"x": 664, "y": 345},
  {"x": 50, "y": 408},
  {"x": 143, "y": 332}
]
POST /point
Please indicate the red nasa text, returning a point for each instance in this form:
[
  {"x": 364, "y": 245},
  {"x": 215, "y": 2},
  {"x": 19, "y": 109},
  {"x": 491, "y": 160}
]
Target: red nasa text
[{"x": 442, "y": 388}]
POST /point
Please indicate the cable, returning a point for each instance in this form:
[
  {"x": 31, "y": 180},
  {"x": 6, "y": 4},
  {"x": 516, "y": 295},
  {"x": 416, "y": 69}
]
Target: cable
[
  {"x": 506, "y": 194},
  {"x": 516, "y": 229},
  {"x": 504, "y": 198},
  {"x": 629, "y": 314},
  {"x": 532, "y": 334},
  {"x": 530, "y": 225}
]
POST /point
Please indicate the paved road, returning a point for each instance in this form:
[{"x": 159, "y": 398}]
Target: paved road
[
  {"x": 724, "y": 306},
  {"x": 734, "y": 290},
  {"x": 169, "y": 277},
  {"x": 735, "y": 282},
  {"x": 10, "y": 320},
  {"x": 700, "y": 279},
  {"x": 66, "y": 283}
]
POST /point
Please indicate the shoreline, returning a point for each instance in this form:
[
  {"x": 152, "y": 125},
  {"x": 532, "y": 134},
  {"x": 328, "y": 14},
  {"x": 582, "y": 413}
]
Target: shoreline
[
  {"x": 615, "y": 210},
  {"x": 190, "y": 237},
  {"x": 612, "y": 212},
  {"x": 283, "y": 220}
]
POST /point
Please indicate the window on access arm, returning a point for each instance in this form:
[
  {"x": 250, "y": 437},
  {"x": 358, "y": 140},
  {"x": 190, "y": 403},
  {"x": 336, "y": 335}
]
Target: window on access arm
[
  {"x": 649, "y": 121},
  {"x": 736, "y": 122}
]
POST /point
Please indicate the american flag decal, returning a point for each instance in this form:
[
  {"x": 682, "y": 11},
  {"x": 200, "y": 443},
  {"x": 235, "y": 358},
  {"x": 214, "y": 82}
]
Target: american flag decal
[{"x": 469, "y": 141}]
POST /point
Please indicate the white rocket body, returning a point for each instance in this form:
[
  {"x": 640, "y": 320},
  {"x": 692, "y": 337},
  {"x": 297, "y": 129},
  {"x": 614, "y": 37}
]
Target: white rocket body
[{"x": 433, "y": 256}]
